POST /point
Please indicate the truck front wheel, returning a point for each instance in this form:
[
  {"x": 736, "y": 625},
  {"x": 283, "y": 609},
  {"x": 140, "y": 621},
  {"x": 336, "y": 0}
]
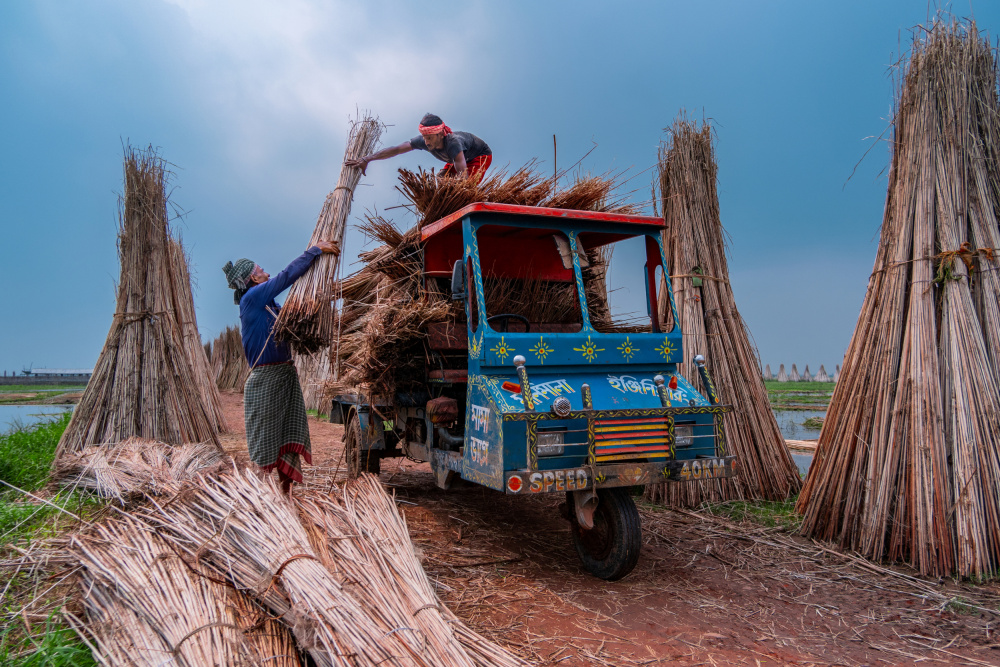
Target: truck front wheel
[
  {"x": 609, "y": 550},
  {"x": 359, "y": 461}
]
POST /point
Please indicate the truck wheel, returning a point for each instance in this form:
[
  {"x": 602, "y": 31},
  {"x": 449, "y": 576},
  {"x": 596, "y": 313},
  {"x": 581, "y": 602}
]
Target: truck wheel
[
  {"x": 357, "y": 460},
  {"x": 610, "y": 549}
]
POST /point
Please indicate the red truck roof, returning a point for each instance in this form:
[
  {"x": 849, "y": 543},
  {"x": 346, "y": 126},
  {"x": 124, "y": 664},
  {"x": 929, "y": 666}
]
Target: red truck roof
[{"x": 564, "y": 213}]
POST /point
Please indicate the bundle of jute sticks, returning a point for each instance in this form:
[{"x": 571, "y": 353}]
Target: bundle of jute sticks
[
  {"x": 197, "y": 355},
  {"x": 143, "y": 605},
  {"x": 712, "y": 326},
  {"x": 143, "y": 382},
  {"x": 135, "y": 468},
  {"x": 908, "y": 463},
  {"x": 347, "y": 581},
  {"x": 306, "y": 319},
  {"x": 229, "y": 363},
  {"x": 314, "y": 372}
]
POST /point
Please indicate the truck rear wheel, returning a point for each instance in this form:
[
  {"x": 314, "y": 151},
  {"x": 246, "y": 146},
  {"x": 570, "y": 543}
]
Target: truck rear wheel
[
  {"x": 609, "y": 550},
  {"x": 359, "y": 461}
]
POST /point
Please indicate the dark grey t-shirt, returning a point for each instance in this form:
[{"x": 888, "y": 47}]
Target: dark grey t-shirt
[{"x": 454, "y": 143}]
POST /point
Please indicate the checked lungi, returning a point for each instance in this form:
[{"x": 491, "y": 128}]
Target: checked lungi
[{"x": 277, "y": 426}]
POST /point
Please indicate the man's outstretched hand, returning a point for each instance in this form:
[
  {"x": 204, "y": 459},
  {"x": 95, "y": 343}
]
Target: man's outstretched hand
[
  {"x": 360, "y": 163},
  {"x": 329, "y": 246}
]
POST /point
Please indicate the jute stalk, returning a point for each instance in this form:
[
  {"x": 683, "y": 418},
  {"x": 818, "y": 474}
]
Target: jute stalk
[
  {"x": 132, "y": 469},
  {"x": 361, "y": 537},
  {"x": 711, "y": 323},
  {"x": 188, "y": 321},
  {"x": 908, "y": 462},
  {"x": 244, "y": 530},
  {"x": 229, "y": 363},
  {"x": 144, "y": 606},
  {"x": 306, "y": 318},
  {"x": 143, "y": 379}
]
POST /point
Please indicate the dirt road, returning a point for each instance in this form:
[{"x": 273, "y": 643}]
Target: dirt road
[{"x": 705, "y": 592}]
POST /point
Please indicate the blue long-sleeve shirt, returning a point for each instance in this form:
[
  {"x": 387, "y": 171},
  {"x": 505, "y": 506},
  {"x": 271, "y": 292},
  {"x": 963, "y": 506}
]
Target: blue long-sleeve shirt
[{"x": 256, "y": 322}]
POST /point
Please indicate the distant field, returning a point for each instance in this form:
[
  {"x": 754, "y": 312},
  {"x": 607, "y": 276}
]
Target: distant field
[
  {"x": 29, "y": 394},
  {"x": 29, "y": 388},
  {"x": 799, "y": 395}
]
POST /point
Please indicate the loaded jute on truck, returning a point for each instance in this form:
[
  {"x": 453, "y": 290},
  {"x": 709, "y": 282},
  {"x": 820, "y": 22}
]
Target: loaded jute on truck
[{"x": 529, "y": 387}]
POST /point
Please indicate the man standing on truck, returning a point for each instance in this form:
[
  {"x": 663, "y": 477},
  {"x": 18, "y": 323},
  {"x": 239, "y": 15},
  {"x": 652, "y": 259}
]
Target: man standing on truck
[
  {"x": 273, "y": 408},
  {"x": 465, "y": 153}
]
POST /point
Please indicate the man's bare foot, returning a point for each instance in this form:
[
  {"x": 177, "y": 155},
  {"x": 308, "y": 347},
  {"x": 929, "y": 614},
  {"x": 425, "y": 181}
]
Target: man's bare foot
[{"x": 286, "y": 487}]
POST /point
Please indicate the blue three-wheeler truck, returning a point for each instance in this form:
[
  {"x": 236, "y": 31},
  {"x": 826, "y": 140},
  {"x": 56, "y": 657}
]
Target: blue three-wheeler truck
[{"x": 548, "y": 395}]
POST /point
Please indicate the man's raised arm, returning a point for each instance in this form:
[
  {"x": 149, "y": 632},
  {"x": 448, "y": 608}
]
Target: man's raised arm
[{"x": 383, "y": 154}]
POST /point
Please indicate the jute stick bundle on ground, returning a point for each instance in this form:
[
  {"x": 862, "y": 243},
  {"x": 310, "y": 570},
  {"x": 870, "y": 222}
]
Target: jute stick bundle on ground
[
  {"x": 188, "y": 321},
  {"x": 229, "y": 361},
  {"x": 144, "y": 606},
  {"x": 306, "y": 318},
  {"x": 142, "y": 382},
  {"x": 245, "y": 530},
  {"x": 131, "y": 469},
  {"x": 908, "y": 463},
  {"x": 361, "y": 537},
  {"x": 712, "y": 326}
]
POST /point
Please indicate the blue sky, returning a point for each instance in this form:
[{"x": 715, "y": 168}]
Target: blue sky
[{"x": 250, "y": 100}]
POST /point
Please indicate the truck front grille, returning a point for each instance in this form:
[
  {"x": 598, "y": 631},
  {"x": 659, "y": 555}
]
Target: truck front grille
[{"x": 629, "y": 438}]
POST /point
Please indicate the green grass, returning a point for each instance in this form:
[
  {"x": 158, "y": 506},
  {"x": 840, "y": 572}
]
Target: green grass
[
  {"x": 17, "y": 395},
  {"x": 25, "y": 388},
  {"x": 26, "y": 454},
  {"x": 958, "y": 606},
  {"x": 25, "y": 458},
  {"x": 318, "y": 415},
  {"x": 775, "y": 386},
  {"x": 52, "y": 646},
  {"x": 769, "y": 513},
  {"x": 791, "y": 395}
]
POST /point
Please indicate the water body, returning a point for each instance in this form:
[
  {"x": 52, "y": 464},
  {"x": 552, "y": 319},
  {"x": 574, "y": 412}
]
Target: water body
[
  {"x": 790, "y": 425},
  {"x": 13, "y": 417}
]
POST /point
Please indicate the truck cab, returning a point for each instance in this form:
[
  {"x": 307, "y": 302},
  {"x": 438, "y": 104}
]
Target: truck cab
[{"x": 540, "y": 388}]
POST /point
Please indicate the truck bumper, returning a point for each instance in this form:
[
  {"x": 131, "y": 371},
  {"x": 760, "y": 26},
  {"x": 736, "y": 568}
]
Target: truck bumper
[{"x": 518, "y": 482}]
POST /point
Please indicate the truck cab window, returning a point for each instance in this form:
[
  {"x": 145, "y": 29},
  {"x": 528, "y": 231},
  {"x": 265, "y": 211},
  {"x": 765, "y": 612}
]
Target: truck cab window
[
  {"x": 624, "y": 284},
  {"x": 526, "y": 281}
]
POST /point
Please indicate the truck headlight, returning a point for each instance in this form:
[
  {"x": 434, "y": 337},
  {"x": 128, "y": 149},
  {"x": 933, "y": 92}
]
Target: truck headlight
[
  {"x": 683, "y": 436},
  {"x": 551, "y": 443}
]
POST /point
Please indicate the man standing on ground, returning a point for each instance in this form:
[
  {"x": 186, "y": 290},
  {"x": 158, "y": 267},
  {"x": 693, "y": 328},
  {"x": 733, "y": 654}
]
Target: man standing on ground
[
  {"x": 464, "y": 152},
  {"x": 273, "y": 408}
]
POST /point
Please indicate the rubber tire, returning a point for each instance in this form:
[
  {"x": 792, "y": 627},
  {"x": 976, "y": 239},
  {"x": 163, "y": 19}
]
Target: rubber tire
[
  {"x": 611, "y": 549},
  {"x": 358, "y": 461}
]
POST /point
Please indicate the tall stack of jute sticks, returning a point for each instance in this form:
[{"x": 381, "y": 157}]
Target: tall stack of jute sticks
[
  {"x": 143, "y": 383},
  {"x": 188, "y": 322},
  {"x": 229, "y": 361},
  {"x": 908, "y": 463},
  {"x": 306, "y": 320},
  {"x": 712, "y": 326}
]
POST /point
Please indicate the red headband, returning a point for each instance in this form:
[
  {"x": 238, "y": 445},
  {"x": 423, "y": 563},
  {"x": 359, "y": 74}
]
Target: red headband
[{"x": 434, "y": 129}]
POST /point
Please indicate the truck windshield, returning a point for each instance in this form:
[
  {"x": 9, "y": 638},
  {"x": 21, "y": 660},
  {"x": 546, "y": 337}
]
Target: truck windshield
[
  {"x": 625, "y": 285},
  {"x": 528, "y": 280}
]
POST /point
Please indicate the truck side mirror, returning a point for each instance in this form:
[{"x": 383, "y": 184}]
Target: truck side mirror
[{"x": 458, "y": 281}]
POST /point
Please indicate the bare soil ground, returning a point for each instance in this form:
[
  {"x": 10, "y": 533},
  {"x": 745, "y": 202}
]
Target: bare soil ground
[{"x": 706, "y": 591}]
